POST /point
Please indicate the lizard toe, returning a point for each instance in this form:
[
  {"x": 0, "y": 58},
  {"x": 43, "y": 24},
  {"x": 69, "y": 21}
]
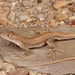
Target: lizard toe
[{"x": 52, "y": 52}]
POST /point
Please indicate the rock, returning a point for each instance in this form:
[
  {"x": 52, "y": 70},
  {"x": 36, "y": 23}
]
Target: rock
[
  {"x": 45, "y": 14},
  {"x": 20, "y": 1},
  {"x": 40, "y": 16},
  {"x": 45, "y": 1},
  {"x": 3, "y": 73},
  {"x": 35, "y": 3},
  {"x": 72, "y": 17},
  {"x": 13, "y": 4},
  {"x": 23, "y": 17},
  {"x": 45, "y": 9},
  {"x": 61, "y": 23},
  {"x": 31, "y": 72},
  {"x": 59, "y": 4},
  {"x": 48, "y": 4},
  {"x": 31, "y": 10},
  {"x": 72, "y": 8},
  {"x": 12, "y": 15},
  {"x": 39, "y": 74},
  {"x": 10, "y": 0},
  {"x": 63, "y": 14},
  {"x": 19, "y": 71},
  {"x": 39, "y": 6},
  {"x": 1, "y": 63},
  {"x": 29, "y": 19},
  {"x": 74, "y": 14},
  {"x": 27, "y": 3},
  {"x": 52, "y": 1},
  {"x": 3, "y": 22},
  {"x": 35, "y": 12},
  {"x": 73, "y": 22},
  {"x": 53, "y": 23},
  {"x": 61, "y": 17},
  {"x": 8, "y": 67},
  {"x": 49, "y": 16},
  {"x": 46, "y": 74}
]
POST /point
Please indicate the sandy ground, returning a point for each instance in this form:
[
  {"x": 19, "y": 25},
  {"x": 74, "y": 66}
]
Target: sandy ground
[{"x": 39, "y": 55}]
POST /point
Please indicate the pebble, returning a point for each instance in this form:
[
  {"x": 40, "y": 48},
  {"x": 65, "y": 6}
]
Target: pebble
[
  {"x": 3, "y": 73},
  {"x": 19, "y": 71},
  {"x": 49, "y": 16},
  {"x": 23, "y": 17},
  {"x": 34, "y": 2},
  {"x": 52, "y": 1},
  {"x": 12, "y": 16},
  {"x": 61, "y": 23},
  {"x": 31, "y": 72},
  {"x": 45, "y": 1},
  {"x": 59, "y": 4},
  {"x": 20, "y": 1},
  {"x": 40, "y": 16},
  {"x": 73, "y": 22},
  {"x": 45, "y": 14},
  {"x": 72, "y": 17},
  {"x": 27, "y": 3},
  {"x": 8, "y": 67},
  {"x": 38, "y": 74},
  {"x": 1, "y": 62},
  {"x": 48, "y": 4},
  {"x": 53, "y": 23},
  {"x": 63, "y": 14},
  {"x": 29, "y": 19},
  {"x": 72, "y": 8},
  {"x": 13, "y": 5},
  {"x": 45, "y": 9},
  {"x": 39, "y": 6},
  {"x": 74, "y": 14},
  {"x": 10, "y": 0},
  {"x": 46, "y": 74}
]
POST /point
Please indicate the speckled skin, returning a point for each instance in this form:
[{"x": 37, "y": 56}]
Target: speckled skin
[{"x": 37, "y": 41}]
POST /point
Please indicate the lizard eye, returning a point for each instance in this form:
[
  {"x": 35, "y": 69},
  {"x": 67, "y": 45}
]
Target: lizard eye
[{"x": 7, "y": 35}]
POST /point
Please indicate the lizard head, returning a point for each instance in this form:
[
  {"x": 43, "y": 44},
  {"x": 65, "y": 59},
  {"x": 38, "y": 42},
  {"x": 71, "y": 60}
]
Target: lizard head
[
  {"x": 10, "y": 36},
  {"x": 7, "y": 35}
]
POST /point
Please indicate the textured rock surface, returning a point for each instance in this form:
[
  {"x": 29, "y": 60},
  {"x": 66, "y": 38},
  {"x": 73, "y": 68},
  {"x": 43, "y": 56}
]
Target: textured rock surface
[{"x": 39, "y": 55}]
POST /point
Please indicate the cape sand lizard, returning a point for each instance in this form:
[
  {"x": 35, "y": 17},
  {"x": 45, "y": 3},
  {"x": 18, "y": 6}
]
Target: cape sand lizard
[{"x": 37, "y": 41}]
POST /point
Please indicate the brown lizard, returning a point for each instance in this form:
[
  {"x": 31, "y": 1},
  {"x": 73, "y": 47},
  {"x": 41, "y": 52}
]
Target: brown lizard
[{"x": 37, "y": 41}]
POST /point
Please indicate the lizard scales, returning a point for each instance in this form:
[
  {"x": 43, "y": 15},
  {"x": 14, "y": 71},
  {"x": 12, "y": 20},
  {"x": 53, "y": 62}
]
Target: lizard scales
[{"x": 37, "y": 41}]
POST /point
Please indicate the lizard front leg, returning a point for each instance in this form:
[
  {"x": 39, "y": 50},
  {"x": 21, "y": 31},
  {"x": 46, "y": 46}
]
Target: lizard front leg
[
  {"x": 53, "y": 49},
  {"x": 10, "y": 44},
  {"x": 26, "y": 50}
]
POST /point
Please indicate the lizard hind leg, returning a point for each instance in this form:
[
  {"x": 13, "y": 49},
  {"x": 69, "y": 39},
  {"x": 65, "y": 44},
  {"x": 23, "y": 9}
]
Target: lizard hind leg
[
  {"x": 52, "y": 52},
  {"x": 53, "y": 49}
]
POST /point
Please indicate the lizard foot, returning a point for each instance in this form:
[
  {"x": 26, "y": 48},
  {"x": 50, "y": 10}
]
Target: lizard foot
[
  {"x": 10, "y": 44},
  {"x": 21, "y": 54},
  {"x": 52, "y": 52}
]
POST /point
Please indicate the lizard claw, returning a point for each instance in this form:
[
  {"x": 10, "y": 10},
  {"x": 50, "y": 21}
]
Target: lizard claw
[
  {"x": 10, "y": 43},
  {"x": 52, "y": 52}
]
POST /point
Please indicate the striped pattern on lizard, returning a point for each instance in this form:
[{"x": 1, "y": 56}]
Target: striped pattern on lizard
[{"x": 37, "y": 41}]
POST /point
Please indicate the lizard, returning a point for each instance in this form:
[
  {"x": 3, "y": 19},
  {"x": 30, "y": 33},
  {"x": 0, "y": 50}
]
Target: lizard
[{"x": 37, "y": 41}]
